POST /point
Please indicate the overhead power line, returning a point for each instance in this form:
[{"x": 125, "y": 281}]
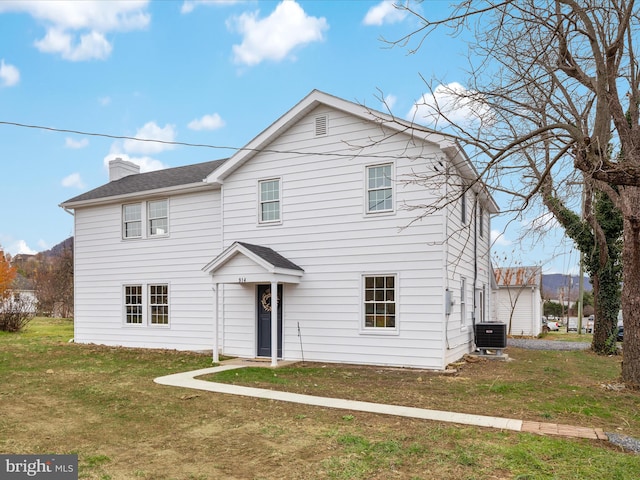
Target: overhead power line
[{"x": 187, "y": 144}]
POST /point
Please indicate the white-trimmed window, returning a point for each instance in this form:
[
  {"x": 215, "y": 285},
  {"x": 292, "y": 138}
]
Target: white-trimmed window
[
  {"x": 159, "y": 304},
  {"x": 481, "y": 220},
  {"x": 132, "y": 220},
  {"x": 158, "y": 217},
  {"x": 380, "y": 302},
  {"x": 379, "y": 188},
  {"x": 269, "y": 207},
  {"x": 133, "y": 304}
]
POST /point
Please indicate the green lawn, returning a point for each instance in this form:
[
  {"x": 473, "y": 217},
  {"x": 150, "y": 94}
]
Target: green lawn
[{"x": 102, "y": 404}]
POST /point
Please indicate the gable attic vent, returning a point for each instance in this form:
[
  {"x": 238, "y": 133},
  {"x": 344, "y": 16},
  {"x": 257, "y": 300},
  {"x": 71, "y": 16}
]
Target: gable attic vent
[{"x": 321, "y": 125}]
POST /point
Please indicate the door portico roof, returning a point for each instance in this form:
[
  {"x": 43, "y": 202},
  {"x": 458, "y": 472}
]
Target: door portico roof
[{"x": 247, "y": 263}]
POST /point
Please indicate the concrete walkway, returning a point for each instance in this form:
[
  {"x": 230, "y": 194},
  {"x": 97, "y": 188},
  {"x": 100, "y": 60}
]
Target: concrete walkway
[{"x": 188, "y": 380}]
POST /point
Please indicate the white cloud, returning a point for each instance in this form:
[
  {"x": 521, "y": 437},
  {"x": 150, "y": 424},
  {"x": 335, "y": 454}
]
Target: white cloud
[
  {"x": 384, "y": 12},
  {"x": 92, "y": 45},
  {"x": 498, "y": 239},
  {"x": 104, "y": 101},
  {"x": 9, "y": 75},
  {"x": 76, "y": 30},
  {"x": 73, "y": 181},
  {"x": 19, "y": 247},
  {"x": 151, "y": 131},
  {"x": 274, "y": 37},
  {"x": 389, "y": 102},
  {"x": 450, "y": 103},
  {"x": 147, "y": 164},
  {"x": 207, "y": 122},
  {"x": 189, "y": 5},
  {"x": 75, "y": 144}
]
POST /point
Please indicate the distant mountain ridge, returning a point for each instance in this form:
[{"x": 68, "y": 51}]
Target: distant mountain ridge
[
  {"x": 552, "y": 283},
  {"x": 59, "y": 248}
]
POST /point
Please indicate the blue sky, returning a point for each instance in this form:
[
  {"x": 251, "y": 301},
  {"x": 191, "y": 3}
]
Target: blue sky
[{"x": 203, "y": 72}]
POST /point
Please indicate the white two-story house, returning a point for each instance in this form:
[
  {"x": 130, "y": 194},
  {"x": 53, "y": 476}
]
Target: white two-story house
[{"x": 373, "y": 232}]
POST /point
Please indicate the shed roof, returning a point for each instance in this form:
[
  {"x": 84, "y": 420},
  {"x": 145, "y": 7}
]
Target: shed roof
[{"x": 518, "y": 276}]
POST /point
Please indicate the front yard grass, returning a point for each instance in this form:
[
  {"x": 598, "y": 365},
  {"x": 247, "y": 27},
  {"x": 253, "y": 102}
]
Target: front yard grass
[{"x": 101, "y": 403}]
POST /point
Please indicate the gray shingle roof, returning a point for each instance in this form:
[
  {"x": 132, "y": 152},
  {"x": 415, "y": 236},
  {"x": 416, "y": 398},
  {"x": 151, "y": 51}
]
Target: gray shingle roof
[
  {"x": 271, "y": 256},
  {"x": 142, "y": 182}
]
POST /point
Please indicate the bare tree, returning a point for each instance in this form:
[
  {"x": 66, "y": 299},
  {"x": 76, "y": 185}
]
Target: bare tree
[{"x": 554, "y": 88}]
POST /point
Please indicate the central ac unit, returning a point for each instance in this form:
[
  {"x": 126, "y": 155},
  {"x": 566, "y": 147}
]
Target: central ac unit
[{"x": 491, "y": 335}]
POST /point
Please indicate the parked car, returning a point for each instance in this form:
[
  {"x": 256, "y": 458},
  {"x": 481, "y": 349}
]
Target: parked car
[
  {"x": 620, "y": 334},
  {"x": 548, "y": 325}
]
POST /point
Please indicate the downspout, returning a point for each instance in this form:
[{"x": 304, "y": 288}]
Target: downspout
[
  {"x": 475, "y": 267},
  {"x": 73, "y": 214}
]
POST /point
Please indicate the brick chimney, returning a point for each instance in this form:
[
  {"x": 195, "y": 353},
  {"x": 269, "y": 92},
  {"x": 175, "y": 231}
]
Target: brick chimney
[{"x": 119, "y": 168}]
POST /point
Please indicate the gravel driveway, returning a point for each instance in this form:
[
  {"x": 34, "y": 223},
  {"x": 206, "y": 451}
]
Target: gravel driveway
[{"x": 535, "y": 344}]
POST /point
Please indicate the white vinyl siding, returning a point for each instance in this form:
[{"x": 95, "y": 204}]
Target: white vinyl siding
[
  {"x": 104, "y": 265},
  {"x": 379, "y": 188},
  {"x": 327, "y": 235}
]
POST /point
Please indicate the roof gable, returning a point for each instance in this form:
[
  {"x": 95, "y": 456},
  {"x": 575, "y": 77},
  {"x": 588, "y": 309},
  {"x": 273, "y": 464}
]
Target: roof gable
[
  {"x": 266, "y": 265},
  {"x": 447, "y": 144}
]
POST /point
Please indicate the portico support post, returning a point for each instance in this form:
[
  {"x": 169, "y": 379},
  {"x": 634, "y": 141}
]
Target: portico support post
[
  {"x": 216, "y": 345},
  {"x": 274, "y": 324}
]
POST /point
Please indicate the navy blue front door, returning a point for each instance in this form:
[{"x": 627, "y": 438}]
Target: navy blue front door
[{"x": 264, "y": 320}]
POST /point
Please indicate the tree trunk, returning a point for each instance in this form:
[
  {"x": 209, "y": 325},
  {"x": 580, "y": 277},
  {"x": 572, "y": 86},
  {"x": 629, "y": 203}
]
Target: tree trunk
[{"x": 630, "y": 197}]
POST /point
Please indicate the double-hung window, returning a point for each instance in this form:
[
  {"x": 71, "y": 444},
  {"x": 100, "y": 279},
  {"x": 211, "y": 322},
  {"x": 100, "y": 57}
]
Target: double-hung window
[
  {"x": 158, "y": 217},
  {"x": 269, "y": 207},
  {"x": 133, "y": 304},
  {"x": 159, "y": 304},
  {"x": 379, "y": 188},
  {"x": 132, "y": 220},
  {"x": 146, "y": 304},
  {"x": 380, "y": 302}
]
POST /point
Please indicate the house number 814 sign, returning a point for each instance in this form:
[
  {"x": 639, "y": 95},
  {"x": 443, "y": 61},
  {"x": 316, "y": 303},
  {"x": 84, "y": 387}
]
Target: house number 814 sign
[{"x": 242, "y": 279}]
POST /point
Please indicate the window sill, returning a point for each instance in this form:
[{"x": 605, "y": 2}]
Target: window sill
[{"x": 379, "y": 331}]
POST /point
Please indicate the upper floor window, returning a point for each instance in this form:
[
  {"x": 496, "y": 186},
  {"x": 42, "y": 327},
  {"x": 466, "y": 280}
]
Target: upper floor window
[
  {"x": 380, "y": 301},
  {"x": 481, "y": 220},
  {"x": 269, "y": 200},
  {"x": 132, "y": 220},
  {"x": 158, "y": 217},
  {"x": 379, "y": 189}
]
